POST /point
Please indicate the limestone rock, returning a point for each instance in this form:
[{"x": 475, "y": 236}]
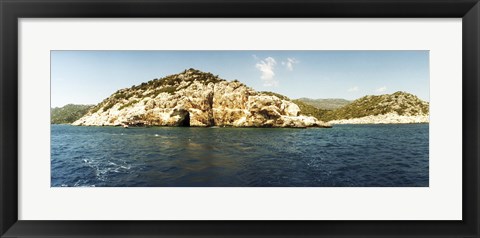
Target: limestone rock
[
  {"x": 389, "y": 118},
  {"x": 195, "y": 98}
]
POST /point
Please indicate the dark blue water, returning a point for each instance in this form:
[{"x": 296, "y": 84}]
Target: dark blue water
[{"x": 343, "y": 156}]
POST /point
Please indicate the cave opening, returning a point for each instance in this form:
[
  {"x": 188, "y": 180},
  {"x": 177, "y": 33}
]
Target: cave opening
[{"x": 186, "y": 120}]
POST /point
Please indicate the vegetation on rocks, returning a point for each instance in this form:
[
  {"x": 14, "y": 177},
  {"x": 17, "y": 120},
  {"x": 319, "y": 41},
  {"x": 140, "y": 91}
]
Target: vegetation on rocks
[
  {"x": 400, "y": 103},
  {"x": 309, "y": 110},
  {"x": 326, "y": 104},
  {"x": 196, "y": 98},
  {"x": 200, "y": 98},
  {"x": 275, "y": 94},
  {"x": 68, "y": 113},
  {"x": 169, "y": 84}
]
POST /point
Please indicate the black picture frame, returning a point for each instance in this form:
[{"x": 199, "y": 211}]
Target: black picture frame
[{"x": 12, "y": 10}]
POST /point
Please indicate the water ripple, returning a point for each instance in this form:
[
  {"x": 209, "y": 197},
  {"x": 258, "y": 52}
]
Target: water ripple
[{"x": 343, "y": 156}]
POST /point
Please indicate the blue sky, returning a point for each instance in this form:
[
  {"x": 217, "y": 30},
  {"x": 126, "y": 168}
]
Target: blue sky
[{"x": 88, "y": 77}]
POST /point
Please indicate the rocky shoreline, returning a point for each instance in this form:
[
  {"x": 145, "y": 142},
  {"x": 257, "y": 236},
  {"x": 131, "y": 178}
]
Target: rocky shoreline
[{"x": 389, "y": 118}]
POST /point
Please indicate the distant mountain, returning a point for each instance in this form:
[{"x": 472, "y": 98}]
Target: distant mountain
[
  {"x": 399, "y": 103},
  {"x": 327, "y": 104},
  {"x": 196, "y": 98},
  {"x": 68, "y": 113},
  {"x": 309, "y": 110}
]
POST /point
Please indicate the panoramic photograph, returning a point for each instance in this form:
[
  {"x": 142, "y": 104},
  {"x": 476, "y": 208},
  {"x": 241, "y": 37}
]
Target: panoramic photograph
[{"x": 238, "y": 118}]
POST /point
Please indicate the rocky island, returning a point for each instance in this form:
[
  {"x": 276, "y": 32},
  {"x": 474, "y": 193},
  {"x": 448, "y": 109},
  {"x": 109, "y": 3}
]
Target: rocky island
[
  {"x": 196, "y": 98},
  {"x": 396, "y": 108}
]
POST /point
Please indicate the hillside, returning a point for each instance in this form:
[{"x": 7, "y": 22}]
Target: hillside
[
  {"x": 401, "y": 104},
  {"x": 196, "y": 98},
  {"x": 68, "y": 113},
  {"x": 310, "y": 110},
  {"x": 325, "y": 104}
]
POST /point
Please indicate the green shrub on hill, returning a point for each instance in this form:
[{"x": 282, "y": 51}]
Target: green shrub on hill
[
  {"x": 275, "y": 94},
  {"x": 309, "y": 110},
  {"x": 127, "y": 104},
  {"x": 402, "y": 103},
  {"x": 68, "y": 113},
  {"x": 169, "y": 84},
  {"x": 327, "y": 104}
]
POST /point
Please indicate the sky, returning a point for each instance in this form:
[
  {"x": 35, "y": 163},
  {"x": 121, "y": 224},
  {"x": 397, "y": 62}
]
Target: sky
[{"x": 88, "y": 77}]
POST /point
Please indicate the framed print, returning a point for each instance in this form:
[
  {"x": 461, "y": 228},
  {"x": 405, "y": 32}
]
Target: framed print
[{"x": 226, "y": 118}]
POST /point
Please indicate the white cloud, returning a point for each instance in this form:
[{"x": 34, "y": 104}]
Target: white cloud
[
  {"x": 381, "y": 89},
  {"x": 290, "y": 62},
  {"x": 267, "y": 67},
  {"x": 353, "y": 89}
]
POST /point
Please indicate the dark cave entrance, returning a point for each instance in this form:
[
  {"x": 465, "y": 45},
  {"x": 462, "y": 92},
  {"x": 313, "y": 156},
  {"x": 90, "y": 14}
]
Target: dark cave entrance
[{"x": 186, "y": 120}]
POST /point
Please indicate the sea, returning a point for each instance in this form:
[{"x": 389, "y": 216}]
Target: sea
[{"x": 394, "y": 155}]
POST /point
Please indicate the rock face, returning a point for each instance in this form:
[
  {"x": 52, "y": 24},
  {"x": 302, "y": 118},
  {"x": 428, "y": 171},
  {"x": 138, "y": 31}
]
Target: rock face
[{"x": 195, "y": 98}]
